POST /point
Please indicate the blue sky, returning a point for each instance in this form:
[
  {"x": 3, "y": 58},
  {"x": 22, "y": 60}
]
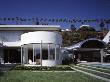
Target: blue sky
[{"x": 78, "y": 9}]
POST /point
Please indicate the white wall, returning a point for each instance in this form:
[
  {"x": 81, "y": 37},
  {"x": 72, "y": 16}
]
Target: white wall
[
  {"x": 51, "y": 62},
  {"x": 38, "y": 36},
  {"x": 12, "y": 44}
]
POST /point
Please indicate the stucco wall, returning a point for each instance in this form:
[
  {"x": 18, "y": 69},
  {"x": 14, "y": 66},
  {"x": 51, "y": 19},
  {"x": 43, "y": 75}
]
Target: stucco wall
[{"x": 38, "y": 36}]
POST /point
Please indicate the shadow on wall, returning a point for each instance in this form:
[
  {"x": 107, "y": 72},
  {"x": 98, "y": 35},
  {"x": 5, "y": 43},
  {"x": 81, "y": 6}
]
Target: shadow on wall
[
  {"x": 67, "y": 61},
  {"x": 67, "y": 58}
]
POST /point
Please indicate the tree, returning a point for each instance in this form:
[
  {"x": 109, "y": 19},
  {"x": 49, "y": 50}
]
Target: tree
[
  {"x": 102, "y": 25},
  {"x": 107, "y": 22},
  {"x": 70, "y": 38},
  {"x": 73, "y": 28},
  {"x": 5, "y": 19},
  {"x": 108, "y": 45},
  {"x": 91, "y": 29},
  {"x": 86, "y": 28},
  {"x": 37, "y": 23},
  {"x": 87, "y": 31}
]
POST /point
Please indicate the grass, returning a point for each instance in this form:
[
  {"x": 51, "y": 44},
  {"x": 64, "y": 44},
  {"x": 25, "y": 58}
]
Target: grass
[{"x": 30, "y": 76}]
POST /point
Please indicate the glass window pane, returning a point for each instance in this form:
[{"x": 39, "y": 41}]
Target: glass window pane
[
  {"x": 37, "y": 53},
  {"x": 30, "y": 53},
  {"x": 45, "y": 51},
  {"x": 25, "y": 54},
  {"x": 52, "y": 51},
  {"x": 57, "y": 51}
]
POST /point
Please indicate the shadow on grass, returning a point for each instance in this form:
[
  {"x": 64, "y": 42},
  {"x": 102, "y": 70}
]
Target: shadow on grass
[
  {"x": 1, "y": 70},
  {"x": 6, "y": 67},
  {"x": 1, "y": 73}
]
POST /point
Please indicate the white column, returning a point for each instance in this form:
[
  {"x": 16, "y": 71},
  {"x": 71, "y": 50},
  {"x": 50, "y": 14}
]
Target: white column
[
  {"x": 58, "y": 52},
  {"x": 60, "y": 56},
  {"x": 101, "y": 53},
  {"x": 48, "y": 51},
  {"x": 55, "y": 53},
  {"x": 21, "y": 55},
  {"x": 33, "y": 53},
  {"x": 41, "y": 52},
  {"x": 26, "y": 54}
]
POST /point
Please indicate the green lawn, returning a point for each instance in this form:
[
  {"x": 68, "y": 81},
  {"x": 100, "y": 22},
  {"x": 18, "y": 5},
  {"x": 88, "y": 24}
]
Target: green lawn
[{"x": 30, "y": 76}]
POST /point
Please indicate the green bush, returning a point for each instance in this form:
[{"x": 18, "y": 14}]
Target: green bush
[{"x": 42, "y": 68}]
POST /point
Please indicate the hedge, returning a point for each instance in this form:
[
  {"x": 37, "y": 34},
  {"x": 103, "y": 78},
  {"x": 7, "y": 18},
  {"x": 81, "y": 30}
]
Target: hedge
[{"x": 43, "y": 68}]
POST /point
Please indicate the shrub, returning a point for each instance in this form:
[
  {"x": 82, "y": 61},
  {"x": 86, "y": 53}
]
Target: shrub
[{"x": 43, "y": 68}]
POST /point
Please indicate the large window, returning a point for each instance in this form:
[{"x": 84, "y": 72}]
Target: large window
[
  {"x": 52, "y": 51},
  {"x": 10, "y": 36},
  {"x": 35, "y": 53}
]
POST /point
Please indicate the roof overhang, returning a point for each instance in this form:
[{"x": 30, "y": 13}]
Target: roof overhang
[
  {"x": 78, "y": 45},
  {"x": 29, "y": 27}
]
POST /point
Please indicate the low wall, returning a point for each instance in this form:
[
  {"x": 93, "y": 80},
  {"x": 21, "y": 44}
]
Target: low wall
[{"x": 51, "y": 62}]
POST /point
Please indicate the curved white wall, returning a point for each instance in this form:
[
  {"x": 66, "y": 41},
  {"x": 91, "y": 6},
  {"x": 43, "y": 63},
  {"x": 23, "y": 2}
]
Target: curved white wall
[
  {"x": 45, "y": 37},
  {"x": 38, "y": 36}
]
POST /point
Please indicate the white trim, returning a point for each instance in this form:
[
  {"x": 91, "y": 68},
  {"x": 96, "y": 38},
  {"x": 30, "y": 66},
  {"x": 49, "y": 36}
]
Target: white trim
[{"x": 29, "y": 26}]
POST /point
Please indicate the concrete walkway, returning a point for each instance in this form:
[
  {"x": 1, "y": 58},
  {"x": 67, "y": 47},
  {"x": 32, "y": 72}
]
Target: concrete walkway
[
  {"x": 93, "y": 75},
  {"x": 93, "y": 70},
  {"x": 55, "y": 71},
  {"x": 6, "y": 67},
  {"x": 94, "y": 67}
]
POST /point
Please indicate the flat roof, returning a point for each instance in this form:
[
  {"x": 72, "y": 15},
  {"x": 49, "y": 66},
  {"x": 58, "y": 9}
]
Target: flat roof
[{"x": 30, "y": 27}]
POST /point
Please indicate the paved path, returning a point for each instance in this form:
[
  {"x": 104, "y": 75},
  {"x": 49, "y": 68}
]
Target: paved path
[
  {"x": 55, "y": 71},
  {"x": 93, "y": 70},
  {"x": 6, "y": 67},
  {"x": 93, "y": 75},
  {"x": 95, "y": 67}
]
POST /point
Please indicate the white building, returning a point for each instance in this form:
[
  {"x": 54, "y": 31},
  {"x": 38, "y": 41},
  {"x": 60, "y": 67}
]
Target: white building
[
  {"x": 30, "y": 44},
  {"x": 89, "y": 50}
]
